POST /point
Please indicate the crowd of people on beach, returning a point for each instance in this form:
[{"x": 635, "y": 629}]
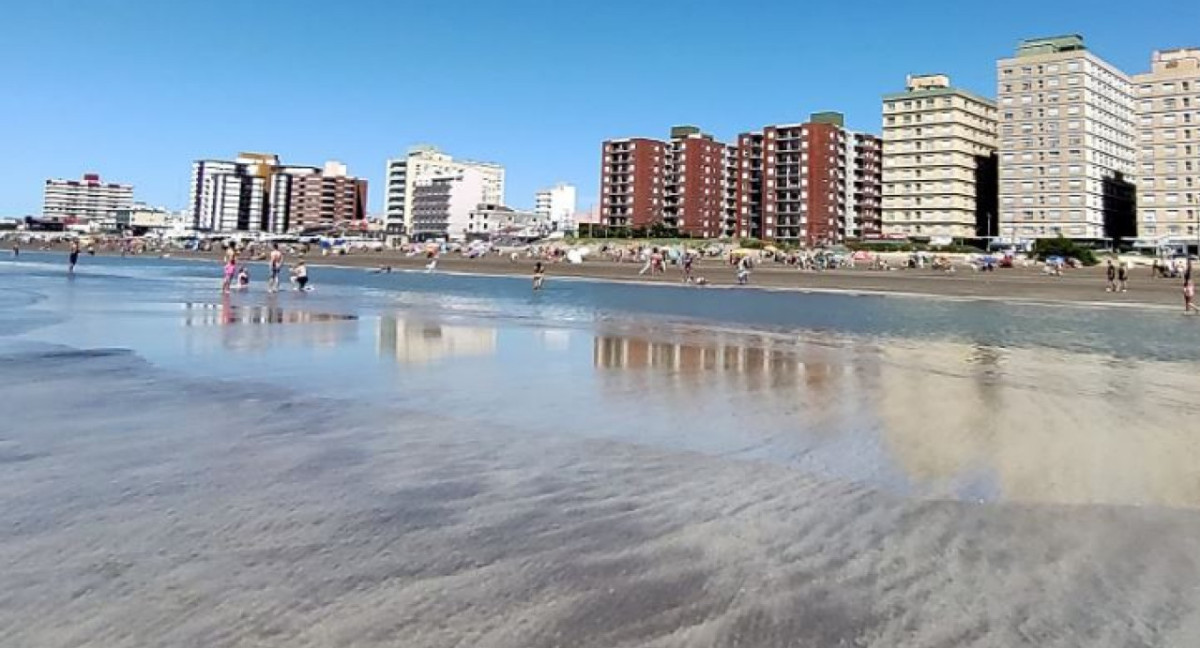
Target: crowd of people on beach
[{"x": 651, "y": 260}]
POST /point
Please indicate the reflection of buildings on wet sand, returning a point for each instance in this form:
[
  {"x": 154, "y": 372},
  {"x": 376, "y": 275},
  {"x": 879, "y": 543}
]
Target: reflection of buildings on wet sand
[
  {"x": 779, "y": 373},
  {"x": 415, "y": 342},
  {"x": 1040, "y": 426},
  {"x": 250, "y": 326}
]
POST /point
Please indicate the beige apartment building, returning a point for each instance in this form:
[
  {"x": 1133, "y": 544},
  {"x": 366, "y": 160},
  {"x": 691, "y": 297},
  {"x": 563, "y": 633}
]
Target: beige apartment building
[
  {"x": 939, "y": 161},
  {"x": 1168, "y": 113},
  {"x": 1067, "y": 146},
  {"x": 425, "y": 163}
]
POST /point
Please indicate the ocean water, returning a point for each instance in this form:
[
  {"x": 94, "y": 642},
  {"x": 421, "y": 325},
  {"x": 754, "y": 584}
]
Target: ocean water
[{"x": 431, "y": 460}]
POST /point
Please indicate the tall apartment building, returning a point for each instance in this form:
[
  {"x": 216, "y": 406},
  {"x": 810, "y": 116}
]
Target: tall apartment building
[
  {"x": 631, "y": 182},
  {"x": 441, "y": 205},
  {"x": 255, "y": 193},
  {"x": 423, "y": 163},
  {"x": 556, "y": 205},
  {"x": 331, "y": 199},
  {"x": 685, "y": 183},
  {"x": 807, "y": 184},
  {"x": 1066, "y": 143},
  {"x": 864, "y": 198},
  {"x": 1168, "y": 119},
  {"x": 939, "y": 161},
  {"x": 85, "y": 200},
  {"x": 232, "y": 196}
]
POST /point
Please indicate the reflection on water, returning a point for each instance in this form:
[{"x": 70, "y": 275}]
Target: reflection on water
[
  {"x": 941, "y": 420},
  {"x": 1041, "y": 426},
  {"x": 242, "y": 325},
  {"x": 416, "y": 342}
]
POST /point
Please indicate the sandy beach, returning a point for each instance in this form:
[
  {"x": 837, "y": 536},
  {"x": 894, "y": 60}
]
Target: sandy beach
[{"x": 1083, "y": 286}]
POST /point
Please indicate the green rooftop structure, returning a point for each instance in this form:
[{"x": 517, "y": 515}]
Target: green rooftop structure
[
  {"x": 829, "y": 117},
  {"x": 1050, "y": 45}
]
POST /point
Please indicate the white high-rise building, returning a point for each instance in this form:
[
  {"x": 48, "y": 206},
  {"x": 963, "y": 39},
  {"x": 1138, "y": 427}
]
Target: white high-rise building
[
  {"x": 442, "y": 205},
  {"x": 557, "y": 204},
  {"x": 423, "y": 163},
  {"x": 1066, "y": 143},
  {"x": 1168, "y": 112},
  {"x": 86, "y": 200}
]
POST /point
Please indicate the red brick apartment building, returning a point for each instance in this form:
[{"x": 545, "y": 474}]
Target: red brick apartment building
[{"x": 684, "y": 183}]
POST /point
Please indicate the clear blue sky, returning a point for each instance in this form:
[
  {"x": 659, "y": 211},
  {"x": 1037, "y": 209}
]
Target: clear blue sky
[{"x": 137, "y": 89}]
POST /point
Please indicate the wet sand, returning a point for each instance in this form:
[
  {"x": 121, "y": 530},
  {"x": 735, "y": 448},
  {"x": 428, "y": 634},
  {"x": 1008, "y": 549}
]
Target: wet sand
[
  {"x": 1083, "y": 286},
  {"x": 222, "y": 514}
]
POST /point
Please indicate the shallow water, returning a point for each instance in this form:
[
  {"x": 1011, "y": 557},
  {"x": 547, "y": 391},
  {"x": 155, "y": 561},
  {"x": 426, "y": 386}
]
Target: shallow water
[{"x": 427, "y": 460}]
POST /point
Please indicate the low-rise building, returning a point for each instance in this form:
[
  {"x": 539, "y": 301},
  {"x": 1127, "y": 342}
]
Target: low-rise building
[{"x": 488, "y": 221}]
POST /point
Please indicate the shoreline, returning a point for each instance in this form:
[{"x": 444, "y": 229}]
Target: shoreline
[{"x": 1080, "y": 288}]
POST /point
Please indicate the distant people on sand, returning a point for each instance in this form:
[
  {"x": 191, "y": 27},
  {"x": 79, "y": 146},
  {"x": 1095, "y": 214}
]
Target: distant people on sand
[
  {"x": 276, "y": 261},
  {"x": 300, "y": 276},
  {"x": 743, "y": 270},
  {"x": 539, "y": 275},
  {"x": 73, "y": 258}
]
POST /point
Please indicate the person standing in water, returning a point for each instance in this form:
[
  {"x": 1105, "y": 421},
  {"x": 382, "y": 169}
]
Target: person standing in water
[
  {"x": 230, "y": 268},
  {"x": 300, "y": 276},
  {"x": 276, "y": 268},
  {"x": 73, "y": 258},
  {"x": 539, "y": 275},
  {"x": 1189, "y": 291}
]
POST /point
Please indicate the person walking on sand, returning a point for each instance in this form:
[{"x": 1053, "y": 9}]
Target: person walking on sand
[
  {"x": 73, "y": 258},
  {"x": 1111, "y": 272},
  {"x": 743, "y": 271},
  {"x": 539, "y": 275},
  {"x": 1189, "y": 291},
  {"x": 230, "y": 268},
  {"x": 276, "y": 268},
  {"x": 687, "y": 267},
  {"x": 1123, "y": 277}
]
